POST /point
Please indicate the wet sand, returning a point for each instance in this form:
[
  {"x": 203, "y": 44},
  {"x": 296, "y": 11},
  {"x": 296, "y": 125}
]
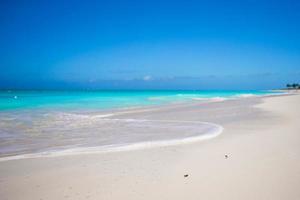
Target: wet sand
[{"x": 257, "y": 156}]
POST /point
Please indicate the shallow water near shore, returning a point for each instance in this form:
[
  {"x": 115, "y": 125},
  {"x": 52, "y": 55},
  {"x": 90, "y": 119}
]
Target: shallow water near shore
[{"x": 50, "y": 121}]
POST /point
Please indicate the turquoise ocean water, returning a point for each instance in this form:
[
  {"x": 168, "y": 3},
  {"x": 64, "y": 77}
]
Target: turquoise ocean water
[{"x": 98, "y": 100}]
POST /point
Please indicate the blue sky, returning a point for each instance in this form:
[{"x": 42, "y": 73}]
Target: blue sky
[{"x": 149, "y": 44}]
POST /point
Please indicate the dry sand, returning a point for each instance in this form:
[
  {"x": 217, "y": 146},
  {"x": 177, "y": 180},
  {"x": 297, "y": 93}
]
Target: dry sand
[{"x": 261, "y": 139}]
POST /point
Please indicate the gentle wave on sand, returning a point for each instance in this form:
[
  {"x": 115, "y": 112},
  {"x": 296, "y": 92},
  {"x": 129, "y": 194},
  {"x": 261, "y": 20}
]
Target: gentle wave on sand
[
  {"x": 88, "y": 135},
  {"x": 40, "y": 128}
]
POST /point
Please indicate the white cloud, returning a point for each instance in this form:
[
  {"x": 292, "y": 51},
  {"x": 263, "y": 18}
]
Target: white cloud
[{"x": 147, "y": 78}]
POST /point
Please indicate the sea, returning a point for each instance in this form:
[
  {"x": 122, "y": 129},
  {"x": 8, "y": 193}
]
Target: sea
[
  {"x": 18, "y": 100},
  {"x": 51, "y": 122}
]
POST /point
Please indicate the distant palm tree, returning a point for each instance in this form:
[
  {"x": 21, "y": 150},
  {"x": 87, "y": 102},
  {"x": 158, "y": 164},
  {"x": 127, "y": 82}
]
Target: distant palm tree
[{"x": 295, "y": 85}]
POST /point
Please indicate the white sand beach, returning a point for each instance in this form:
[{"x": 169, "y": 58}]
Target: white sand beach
[{"x": 257, "y": 156}]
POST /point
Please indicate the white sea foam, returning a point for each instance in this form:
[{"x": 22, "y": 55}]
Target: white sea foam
[
  {"x": 199, "y": 98},
  {"x": 213, "y": 131},
  {"x": 245, "y": 95},
  {"x": 218, "y": 99}
]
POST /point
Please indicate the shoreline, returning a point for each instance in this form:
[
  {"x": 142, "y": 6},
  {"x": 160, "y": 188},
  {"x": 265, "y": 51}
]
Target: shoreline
[
  {"x": 110, "y": 115},
  {"x": 118, "y": 147}
]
